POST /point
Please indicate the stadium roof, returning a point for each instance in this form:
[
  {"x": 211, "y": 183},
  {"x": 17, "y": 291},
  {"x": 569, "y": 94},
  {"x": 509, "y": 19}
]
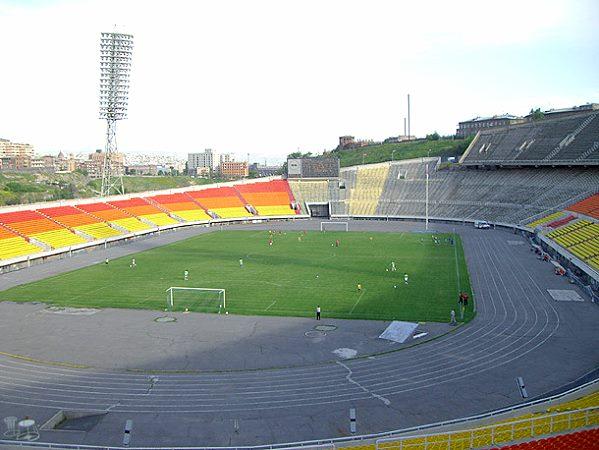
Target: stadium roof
[
  {"x": 501, "y": 116},
  {"x": 583, "y": 108}
]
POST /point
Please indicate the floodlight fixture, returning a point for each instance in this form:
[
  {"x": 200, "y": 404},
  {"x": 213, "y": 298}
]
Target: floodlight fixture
[{"x": 116, "y": 50}]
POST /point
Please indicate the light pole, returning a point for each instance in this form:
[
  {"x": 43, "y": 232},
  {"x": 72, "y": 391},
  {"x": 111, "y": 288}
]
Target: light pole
[
  {"x": 426, "y": 204},
  {"x": 393, "y": 155},
  {"x": 115, "y": 67}
]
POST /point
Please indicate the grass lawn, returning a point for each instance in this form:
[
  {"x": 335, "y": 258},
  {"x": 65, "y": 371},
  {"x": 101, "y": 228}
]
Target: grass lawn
[
  {"x": 402, "y": 150},
  {"x": 290, "y": 278}
]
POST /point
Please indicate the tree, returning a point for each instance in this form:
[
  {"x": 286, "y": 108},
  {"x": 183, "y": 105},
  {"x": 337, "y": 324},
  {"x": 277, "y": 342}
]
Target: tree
[
  {"x": 294, "y": 155},
  {"x": 536, "y": 114},
  {"x": 433, "y": 137}
]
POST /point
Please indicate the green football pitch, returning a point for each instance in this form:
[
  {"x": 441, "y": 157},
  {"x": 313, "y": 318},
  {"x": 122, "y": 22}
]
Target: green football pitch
[{"x": 299, "y": 271}]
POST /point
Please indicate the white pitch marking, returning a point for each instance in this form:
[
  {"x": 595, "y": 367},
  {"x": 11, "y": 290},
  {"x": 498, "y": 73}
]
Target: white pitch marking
[
  {"x": 455, "y": 253},
  {"x": 270, "y": 306},
  {"x": 357, "y": 301}
]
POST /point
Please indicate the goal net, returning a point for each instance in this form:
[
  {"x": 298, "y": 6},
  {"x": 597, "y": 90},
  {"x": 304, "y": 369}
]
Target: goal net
[
  {"x": 334, "y": 226},
  {"x": 196, "y": 299}
]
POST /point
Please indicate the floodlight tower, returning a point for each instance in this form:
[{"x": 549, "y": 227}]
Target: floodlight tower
[{"x": 115, "y": 65}]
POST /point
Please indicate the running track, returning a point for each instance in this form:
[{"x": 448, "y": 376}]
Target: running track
[{"x": 519, "y": 331}]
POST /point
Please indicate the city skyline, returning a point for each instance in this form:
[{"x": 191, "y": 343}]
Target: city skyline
[{"x": 268, "y": 78}]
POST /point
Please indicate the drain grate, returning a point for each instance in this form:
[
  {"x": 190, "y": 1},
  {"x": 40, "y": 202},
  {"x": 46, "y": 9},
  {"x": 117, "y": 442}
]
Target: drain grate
[
  {"x": 70, "y": 311},
  {"x": 165, "y": 319},
  {"x": 314, "y": 334},
  {"x": 325, "y": 327}
]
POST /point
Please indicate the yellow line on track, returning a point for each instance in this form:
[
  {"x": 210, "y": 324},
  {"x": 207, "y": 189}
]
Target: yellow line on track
[{"x": 41, "y": 361}]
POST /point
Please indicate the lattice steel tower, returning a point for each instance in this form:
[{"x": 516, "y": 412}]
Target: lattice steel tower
[{"x": 115, "y": 65}]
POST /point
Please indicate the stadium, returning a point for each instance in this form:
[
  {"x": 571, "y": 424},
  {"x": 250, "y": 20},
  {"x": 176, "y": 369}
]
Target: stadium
[{"x": 186, "y": 317}]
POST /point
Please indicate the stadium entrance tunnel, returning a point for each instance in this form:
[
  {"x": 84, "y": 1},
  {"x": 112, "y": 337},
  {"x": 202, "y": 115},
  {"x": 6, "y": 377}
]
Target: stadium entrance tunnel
[{"x": 319, "y": 210}]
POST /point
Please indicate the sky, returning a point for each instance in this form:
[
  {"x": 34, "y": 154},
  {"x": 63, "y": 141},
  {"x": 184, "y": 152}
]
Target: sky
[{"x": 270, "y": 77}]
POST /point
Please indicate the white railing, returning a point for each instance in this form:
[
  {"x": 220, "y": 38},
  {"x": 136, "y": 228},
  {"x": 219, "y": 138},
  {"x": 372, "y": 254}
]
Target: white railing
[
  {"x": 499, "y": 433},
  {"x": 528, "y": 162}
]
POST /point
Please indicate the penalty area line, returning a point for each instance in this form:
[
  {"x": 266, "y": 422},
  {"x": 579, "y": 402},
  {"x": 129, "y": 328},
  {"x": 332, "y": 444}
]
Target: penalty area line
[
  {"x": 357, "y": 301},
  {"x": 270, "y": 306}
]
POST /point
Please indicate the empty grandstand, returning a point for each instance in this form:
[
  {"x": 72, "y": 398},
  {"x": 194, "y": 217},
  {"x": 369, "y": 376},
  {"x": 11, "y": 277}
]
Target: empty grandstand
[
  {"x": 588, "y": 206},
  {"x": 116, "y": 217},
  {"x": 273, "y": 198},
  {"x": 581, "y": 238},
  {"x": 550, "y": 422},
  {"x": 12, "y": 245},
  {"x": 570, "y": 140},
  {"x": 365, "y": 193},
  {"x": 508, "y": 196},
  {"x": 224, "y": 202},
  {"x": 80, "y": 221},
  {"x": 316, "y": 191},
  {"x": 40, "y": 228},
  {"x": 579, "y": 440},
  {"x": 145, "y": 211},
  {"x": 182, "y": 206}
]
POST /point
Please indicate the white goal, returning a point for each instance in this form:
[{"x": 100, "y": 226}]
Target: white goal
[
  {"x": 196, "y": 299},
  {"x": 334, "y": 226}
]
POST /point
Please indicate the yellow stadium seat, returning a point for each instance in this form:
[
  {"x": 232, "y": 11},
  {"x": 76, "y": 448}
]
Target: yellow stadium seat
[
  {"x": 15, "y": 247},
  {"x": 275, "y": 211},
  {"x": 517, "y": 428},
  {"x": 191, "y": 215},
  {"x": 545, "y": 219},
  {"x": 370, "y": 181},
  {"x": 131, "y": 224},
  {"x": 98, "y": 230},
  {"x": 59, "y": 238},
  {"x": 160, "y": 219},
  {"x": 231, "y": 213}
]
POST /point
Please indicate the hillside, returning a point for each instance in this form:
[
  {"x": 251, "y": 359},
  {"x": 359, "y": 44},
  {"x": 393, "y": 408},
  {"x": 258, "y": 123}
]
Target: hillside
[
  {"x": 402, "y": 150},
  {"x": 17, "y": 188}
]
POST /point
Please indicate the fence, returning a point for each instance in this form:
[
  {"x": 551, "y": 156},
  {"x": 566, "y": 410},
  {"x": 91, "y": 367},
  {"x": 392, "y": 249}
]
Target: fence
[{"x": 499, "y": 433}]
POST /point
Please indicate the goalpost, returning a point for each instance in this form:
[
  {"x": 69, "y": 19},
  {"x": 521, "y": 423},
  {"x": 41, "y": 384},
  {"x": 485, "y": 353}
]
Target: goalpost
[
  {"x": 334, "y": 226},
  {"x": 196, "y": 299}
]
